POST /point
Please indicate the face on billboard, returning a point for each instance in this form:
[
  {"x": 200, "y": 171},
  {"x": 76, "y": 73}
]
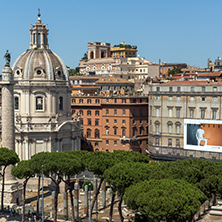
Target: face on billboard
[{"x": 203, "y": 135}]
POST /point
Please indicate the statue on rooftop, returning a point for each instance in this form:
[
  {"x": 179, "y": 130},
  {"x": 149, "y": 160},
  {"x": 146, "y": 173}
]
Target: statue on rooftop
[{"x": 7, "y": 57}]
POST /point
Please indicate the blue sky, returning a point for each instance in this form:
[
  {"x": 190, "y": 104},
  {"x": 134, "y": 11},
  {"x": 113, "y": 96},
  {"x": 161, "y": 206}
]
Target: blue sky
[{"x": 174, "y": 30}]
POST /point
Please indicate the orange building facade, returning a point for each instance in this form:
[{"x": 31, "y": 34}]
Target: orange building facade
[{"x": 113, "y": 122}]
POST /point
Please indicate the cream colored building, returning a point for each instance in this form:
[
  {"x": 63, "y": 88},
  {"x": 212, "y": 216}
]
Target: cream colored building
[
  {"x": 169, "y": 104},
  {"x": 42, "y": 98}
]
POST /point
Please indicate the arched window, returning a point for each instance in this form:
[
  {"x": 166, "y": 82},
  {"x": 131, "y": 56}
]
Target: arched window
[
  {"x": 88, "y": 133},
  {"x": 39, "y": 39},
  {"x": 88, "y": 112},
  {"x": 97, "y": 134},
  {"x": 16, "y": 103},
  {"x": 61, "y": 106},
  {"x": 123, "y": 133},
  {"x": 39, "y": 103}
]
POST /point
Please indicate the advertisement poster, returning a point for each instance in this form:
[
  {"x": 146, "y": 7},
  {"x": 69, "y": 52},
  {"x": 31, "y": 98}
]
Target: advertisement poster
[{"x": 203, "y": 135}]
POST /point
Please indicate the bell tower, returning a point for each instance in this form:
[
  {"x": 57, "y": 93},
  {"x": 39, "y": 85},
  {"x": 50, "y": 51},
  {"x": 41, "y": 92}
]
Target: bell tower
[{"x": 39, "y": 35}]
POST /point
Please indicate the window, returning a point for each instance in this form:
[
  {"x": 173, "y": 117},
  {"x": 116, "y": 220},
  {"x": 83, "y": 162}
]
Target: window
[
  {"x": 115, "y": 131},
  {"x": 81, "y": 101},
  {"x": 107, "y": 100},
  {"x": 157, "y": 98},
  {"x": 215, "y": 99},
  {"x": 115, "y": 112},
  {"x": 61, "y": 106},
  {"x": 170, "y": 128},
  {"x": 97, "y": 100},
  {"x": 124, "y": 101},
  {"x": 97, "y": 133},
  {"x": 192, "y": 98},
  {"x": 141, "y": 121},
  {"x": 141, "y": 130},
  {"x": 39, "y": 103},
  {"x": 115, "y": 100},
  {"x": 81, "y": 112},
  {"x": 169, "y": 142},
  {"x": 171, "y": 89},
  {"x": 157, "y": 142},
  {"x": 192, "y": 89},
  {"x": 107, "y": 142},
  {"x": 107, "y": 121},
  {"x": 203, "y": 88},
  {"x": 39, "y": 39},
  {"x": 157, "y": 112},
  {"x": 115, "y": 143},
  {"x": 170, "y": 98},
  {"x": 124, "y": 112},
  {"x": 73, "y": 111},
  {"x": 88, "y": 112},
  {"x": 157, "y": 128},
  {"x": 107, "y": 112},
  {"x": 203, "y": 98},
  {"x": 178, "y": 98},
  {"x": 16, "y": 103},
  {"x": 107, "y": 131},
  {"x": 123, "y": 142},
  {"x": 96, "y": 122},
  {"x": 214, "y": 112},
  {"x": 97, "y": 112},
  {"x": 123, "y": 121},
  {"x": 202, "y": 113},
  {"x": 151, "y": 111},
  {"x": 215, "y": 89},
  {"x": 96, "y": 144},
  {"x": 170, "y": 112},
  {"x": 89, "y": 122},
  {"x": 191, "y": 113},
  {"x": 178, "y": 89},
  {"x": 141, "y": 112},
  {"x": 88, "y": 133},
  {"x": 115, "y": 121},
  {"x": 157, "y": 89},
  {"x": 123, "y": 133},
  {"x": 178, "y": 112},
  {"x": 178, "y": 128},
  {"x": 88, "y": 100},
  {"x": 134, "y": 112},
  {"x": 177, "y": 143},
  {"x": 81, "y": 121},
  {"x": 73, "y": 100},
  {"x": 134, "y": 131}
]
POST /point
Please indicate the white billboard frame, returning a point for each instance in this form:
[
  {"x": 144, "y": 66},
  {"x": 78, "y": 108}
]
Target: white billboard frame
[{"x": 209, "y": 148}]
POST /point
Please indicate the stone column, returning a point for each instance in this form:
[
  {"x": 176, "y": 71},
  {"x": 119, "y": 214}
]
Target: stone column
[
  {"x": 86, "y": 201},
  {"x": 11, "y": 195},
  {"x": 76, "y": 201},
  {"x": 53, "y": 204},
  {"x": 65, "y": 204},
  {"x": 104, "y": 194}
]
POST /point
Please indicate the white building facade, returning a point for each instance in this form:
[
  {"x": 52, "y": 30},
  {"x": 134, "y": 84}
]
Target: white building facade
[{"x": 42, "y": 99}]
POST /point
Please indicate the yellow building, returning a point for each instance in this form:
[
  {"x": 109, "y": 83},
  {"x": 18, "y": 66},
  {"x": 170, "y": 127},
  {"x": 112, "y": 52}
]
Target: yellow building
[{"x": 123, "y": 50}]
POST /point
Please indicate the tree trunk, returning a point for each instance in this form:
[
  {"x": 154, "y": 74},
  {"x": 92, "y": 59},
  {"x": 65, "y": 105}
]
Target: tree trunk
[
  {"x": 3, "y": 188},
  {"x": 119, "y": 208},
  {"x": 56, "y": 198},
  {"x": 23, "y": 207},
  {"x": 97, "y": 193},
  {"x": 38, "y": 194},
  {"x": 71, "y": 198},
  {"x": 111, "y": 209}
]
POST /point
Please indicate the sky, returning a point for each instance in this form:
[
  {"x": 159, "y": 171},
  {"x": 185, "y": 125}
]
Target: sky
[{"x": 175, "y": 31}]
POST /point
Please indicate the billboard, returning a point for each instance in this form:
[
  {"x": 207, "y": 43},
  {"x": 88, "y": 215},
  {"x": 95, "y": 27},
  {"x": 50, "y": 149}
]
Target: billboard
[{"x": 203, "y": 135}]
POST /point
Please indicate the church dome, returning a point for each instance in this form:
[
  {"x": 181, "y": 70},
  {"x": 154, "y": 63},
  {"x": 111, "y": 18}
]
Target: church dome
[
  {"x": 39, "y": 62},
  {"x": 36, "y": 64}
]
